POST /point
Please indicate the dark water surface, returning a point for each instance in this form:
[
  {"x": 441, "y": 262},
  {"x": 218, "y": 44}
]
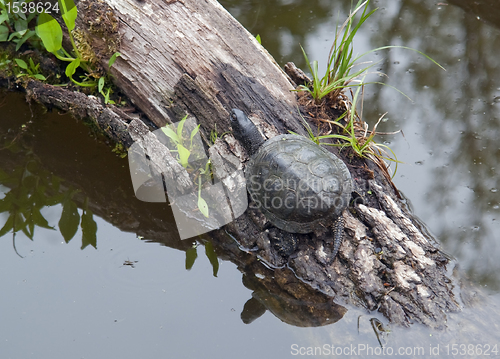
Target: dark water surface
[{"x": 127, "y": 293}]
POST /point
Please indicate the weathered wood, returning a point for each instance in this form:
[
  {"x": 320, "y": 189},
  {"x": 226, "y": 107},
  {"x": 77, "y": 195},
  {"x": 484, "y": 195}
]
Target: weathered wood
[
  {"x": 162, "y": 42},
  {"x": 193, "y": 57}
]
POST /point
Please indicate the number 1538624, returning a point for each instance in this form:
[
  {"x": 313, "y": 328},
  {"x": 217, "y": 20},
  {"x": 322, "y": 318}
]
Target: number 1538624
[{"x": 31, "y": 7}]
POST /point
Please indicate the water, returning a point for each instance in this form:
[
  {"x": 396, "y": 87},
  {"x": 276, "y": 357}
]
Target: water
[{"x": 60, "y": 301}]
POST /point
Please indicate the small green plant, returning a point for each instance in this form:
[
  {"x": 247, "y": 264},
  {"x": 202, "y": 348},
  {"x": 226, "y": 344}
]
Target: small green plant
[
  {"x": 101, "y": 82},
  {"x": 184, "y": 150},
  {"x": 49, "y": 30},
  {"x": 214, "y": 135},
  {"x": 14, "y": 19},
  {"x": 341, "y": 62},
  {"x": 31, "y": 69}
]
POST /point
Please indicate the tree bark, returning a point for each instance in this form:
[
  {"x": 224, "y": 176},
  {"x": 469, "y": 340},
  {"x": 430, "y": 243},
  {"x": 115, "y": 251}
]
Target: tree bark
[{"x": 192, "y": 57}]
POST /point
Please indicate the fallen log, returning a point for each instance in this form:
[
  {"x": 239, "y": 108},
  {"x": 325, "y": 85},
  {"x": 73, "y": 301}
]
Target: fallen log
[{"x": 192, "y": 57}]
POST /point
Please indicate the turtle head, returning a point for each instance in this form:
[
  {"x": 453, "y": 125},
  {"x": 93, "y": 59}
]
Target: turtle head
[{"x": 245, "y": 131}]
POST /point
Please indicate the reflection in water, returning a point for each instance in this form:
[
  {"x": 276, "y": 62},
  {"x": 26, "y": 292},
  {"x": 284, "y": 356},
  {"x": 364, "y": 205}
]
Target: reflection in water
[
  {"x": 52, "y": 159},
  {"x": 299, "y": 305},
  {"x": 31, "y": 189}
]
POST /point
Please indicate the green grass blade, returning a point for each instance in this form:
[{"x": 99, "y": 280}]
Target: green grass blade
[
  {"x": 113, "y": 59},
  {"x": 400, "y": 47}
]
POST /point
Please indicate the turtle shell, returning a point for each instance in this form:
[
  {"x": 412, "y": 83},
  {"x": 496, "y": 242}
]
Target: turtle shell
[{"x": 299, "y": 186}]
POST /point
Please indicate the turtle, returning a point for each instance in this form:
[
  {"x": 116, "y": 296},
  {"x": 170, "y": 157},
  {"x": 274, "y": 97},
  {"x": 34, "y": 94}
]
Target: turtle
[{"x": 299, "y": 186}]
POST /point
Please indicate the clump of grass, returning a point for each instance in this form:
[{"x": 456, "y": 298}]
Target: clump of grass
[
  {"x": 340, "y": 73},
  {"x": 356, "y": 135}
]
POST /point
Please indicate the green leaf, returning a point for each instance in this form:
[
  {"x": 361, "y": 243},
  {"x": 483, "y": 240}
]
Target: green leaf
[
  {"x": 26, "y": 36},
  {"x": 40, "y": 77},
  {"x": 13, "y": 35},
  {"x": 70, "y": 219},
  {"x": 49, "y": 30},
  {"x": 100, "y": 84},
  {"x": 21, "y": 63},
  {"x": 113, "y": 58},
  {"x": 202, "y": 205},
  {"x": 4, "y": 33},
  {"x": 30, "y": 231},
  {"x": 167, "y": 130},
  {"x": 21, "y": 27},
  {"x": 4, "y": 16},
  {"x": 69, "y": 13},
  {"x": 191, "y": 256},
  {"x": 89, "y": 229},
  {"x": 7, "y": 226},
  {"x": 212, "y": 257},
  {"x": 72, "y": 66},
  {"x": 183, "y": 155},
  {"x": 40, "y": 220},
  {"x": 258, "y": 39},
  {"x": 21, "y": 14}
]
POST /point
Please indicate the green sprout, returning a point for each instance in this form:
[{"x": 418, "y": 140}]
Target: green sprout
[
  {"x": 184, "y": 150},
  {"x": 31, "y": 69},
  {"x": 214, "y": 135}
]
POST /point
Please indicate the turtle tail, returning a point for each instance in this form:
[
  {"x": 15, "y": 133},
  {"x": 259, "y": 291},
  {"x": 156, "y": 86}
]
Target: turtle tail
[{"x": 338, "y": 231}]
